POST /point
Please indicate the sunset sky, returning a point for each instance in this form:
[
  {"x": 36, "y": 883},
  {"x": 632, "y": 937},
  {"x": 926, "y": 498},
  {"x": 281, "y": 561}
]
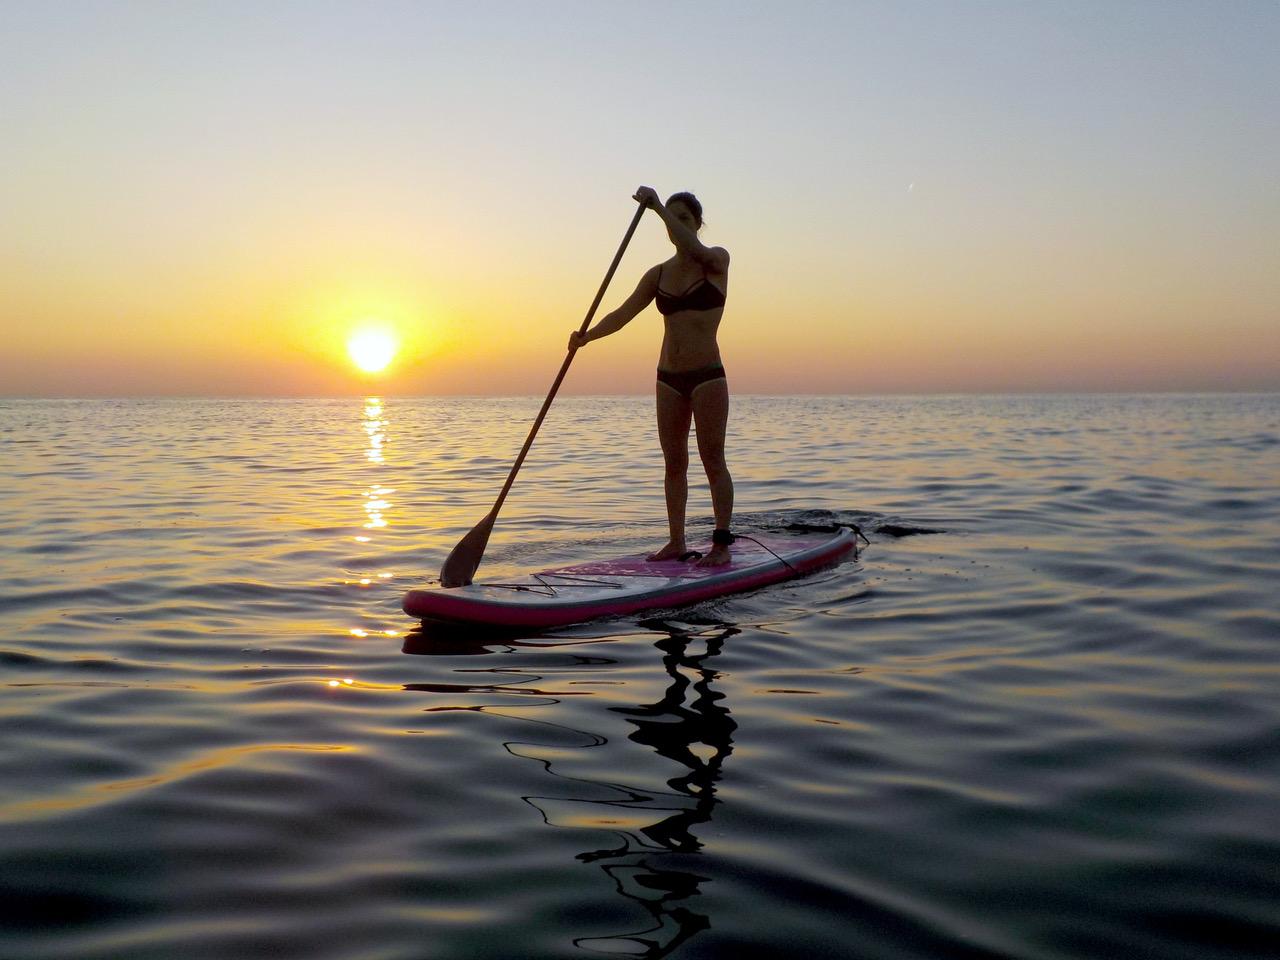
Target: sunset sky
[{"x": 212, "y": 198}]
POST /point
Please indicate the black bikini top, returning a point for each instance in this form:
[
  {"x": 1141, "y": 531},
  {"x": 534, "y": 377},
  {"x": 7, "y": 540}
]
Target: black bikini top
[{"x": 701, "y": 295}]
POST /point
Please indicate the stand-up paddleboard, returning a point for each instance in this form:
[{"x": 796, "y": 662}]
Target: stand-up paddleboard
[{"x": 626, "y": 585}]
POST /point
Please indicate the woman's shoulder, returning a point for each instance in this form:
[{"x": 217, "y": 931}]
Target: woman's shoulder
[{"x": 717, "y": 260}]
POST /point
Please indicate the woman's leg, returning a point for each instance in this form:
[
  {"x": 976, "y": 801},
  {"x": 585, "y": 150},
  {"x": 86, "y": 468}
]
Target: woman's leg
[
  {"x": 674, "y": 414},
  {"x": 711, "y": 412}
]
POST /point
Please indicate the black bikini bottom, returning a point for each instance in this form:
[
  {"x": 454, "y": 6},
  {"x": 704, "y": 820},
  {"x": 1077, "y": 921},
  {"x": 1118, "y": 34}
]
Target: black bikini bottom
[{"x": 687, "y": 381}]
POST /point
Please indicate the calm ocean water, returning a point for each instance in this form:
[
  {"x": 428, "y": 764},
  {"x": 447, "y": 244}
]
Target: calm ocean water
[{"x": 1038, "y": 718}]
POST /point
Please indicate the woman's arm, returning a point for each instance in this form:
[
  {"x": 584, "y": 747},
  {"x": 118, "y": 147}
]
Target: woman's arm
[
  {"x": 714, "y": 259},
  {"x": 612, "y": 322}
]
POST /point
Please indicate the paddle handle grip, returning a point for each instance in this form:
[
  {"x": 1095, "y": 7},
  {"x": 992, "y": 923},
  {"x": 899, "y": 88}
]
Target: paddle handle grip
[{"x": 564, "y": 367}]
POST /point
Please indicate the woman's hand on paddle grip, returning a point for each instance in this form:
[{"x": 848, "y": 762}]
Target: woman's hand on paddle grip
[{"x": 647, "y": 196}]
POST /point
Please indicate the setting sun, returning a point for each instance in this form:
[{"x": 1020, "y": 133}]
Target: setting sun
[{"x": 372, "y": 349}]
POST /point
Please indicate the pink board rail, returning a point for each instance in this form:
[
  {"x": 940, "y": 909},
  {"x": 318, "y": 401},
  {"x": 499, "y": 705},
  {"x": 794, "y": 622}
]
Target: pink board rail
[{"x": 625, "y": 585}]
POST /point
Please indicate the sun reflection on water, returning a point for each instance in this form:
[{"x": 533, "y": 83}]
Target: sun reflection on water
[
  {"x": 375, "y": 497},
  {"x": 375, "y": 503},
  {"x": 373, "y": 424}
]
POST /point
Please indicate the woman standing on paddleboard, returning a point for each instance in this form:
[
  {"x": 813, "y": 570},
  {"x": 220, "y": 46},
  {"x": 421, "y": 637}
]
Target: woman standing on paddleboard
[{"x": 691, "y": 379}]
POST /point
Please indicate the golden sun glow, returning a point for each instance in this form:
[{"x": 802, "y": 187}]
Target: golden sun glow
[{"x": 372, "y": 348}]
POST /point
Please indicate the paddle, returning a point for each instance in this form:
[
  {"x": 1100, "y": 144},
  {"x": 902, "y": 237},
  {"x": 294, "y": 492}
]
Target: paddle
[{"x": 460, "y": 566}]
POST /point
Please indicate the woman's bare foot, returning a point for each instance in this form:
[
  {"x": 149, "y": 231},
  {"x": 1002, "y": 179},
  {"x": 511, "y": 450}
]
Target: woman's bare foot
[
  {"x": 718, "y": 556},
  {"x": 673, "y": 549}
]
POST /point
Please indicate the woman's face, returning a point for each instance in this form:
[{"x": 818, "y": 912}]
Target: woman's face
[{"x": 684, "y": 215}]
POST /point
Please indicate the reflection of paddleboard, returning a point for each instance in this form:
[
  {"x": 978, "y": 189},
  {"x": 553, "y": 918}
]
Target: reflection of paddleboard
[{"x": 610, "y": 588}]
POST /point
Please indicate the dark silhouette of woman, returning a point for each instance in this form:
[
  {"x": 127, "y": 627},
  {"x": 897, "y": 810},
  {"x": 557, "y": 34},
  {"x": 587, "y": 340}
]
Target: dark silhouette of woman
[{"x": 691, "y": 379}]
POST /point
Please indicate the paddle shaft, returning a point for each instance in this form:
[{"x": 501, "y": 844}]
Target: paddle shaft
[
  {"x": 564, "y": 367},
  {"x": 461, "y": 564}
]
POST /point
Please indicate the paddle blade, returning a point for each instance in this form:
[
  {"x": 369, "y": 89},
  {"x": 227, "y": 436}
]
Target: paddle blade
[{"x": 460, "y": 566}]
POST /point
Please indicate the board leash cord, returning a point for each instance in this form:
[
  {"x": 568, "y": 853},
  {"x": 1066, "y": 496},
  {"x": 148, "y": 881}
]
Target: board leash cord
[{"x": 857, "y": 532}]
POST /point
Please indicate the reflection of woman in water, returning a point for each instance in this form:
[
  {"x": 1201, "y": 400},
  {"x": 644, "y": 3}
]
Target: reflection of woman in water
[
  {"x": 689, "y": 713},
  {"x": 691, "y": 379}
]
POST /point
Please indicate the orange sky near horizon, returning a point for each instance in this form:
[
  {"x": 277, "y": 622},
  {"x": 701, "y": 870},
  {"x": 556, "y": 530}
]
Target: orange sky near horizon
[{"x": 208, "y": 201}]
